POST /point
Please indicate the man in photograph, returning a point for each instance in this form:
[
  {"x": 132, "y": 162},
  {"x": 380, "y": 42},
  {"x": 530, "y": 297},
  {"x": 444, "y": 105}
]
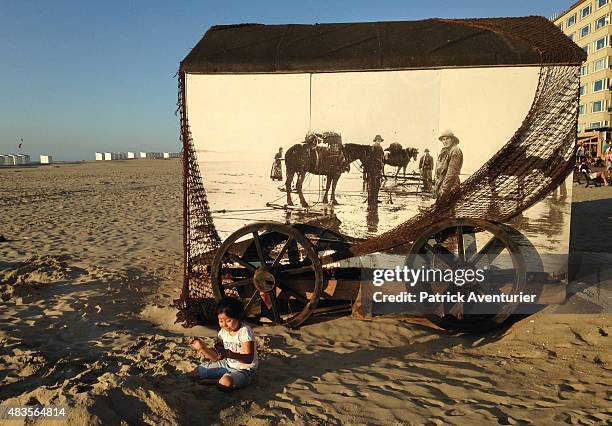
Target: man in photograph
[
  {"x": 426, "y": 168},
  {"x": 449, "y": 165},
  {"x": 374, "y": 170}
]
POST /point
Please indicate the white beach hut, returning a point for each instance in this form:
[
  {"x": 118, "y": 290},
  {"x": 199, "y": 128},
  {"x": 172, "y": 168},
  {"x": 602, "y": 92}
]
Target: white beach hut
[
  {"x": 11, "y": 160},
  {"x": 99, "y": 156},
  {"x": 142, "y": 155},
  {"x": 46, "y": 159},
  {"x": 131, "y": 155},
  {"x": 166, "y": 155},
  {"x": 108, "y": 156}
]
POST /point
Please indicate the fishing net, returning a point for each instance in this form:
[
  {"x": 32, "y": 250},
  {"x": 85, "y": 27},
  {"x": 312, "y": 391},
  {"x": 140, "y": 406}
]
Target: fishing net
[{"x": 201, "y": 239}]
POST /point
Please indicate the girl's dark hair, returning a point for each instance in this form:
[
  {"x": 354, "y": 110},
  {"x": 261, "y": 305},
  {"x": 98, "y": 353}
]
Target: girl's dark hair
[{"x": 231, "y": 307}]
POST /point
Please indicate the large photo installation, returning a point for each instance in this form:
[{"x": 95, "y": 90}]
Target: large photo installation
[{"x": 316, "y": 181}]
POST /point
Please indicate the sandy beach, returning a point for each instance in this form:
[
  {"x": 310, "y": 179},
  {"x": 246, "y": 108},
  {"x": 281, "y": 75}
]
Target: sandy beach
[{"x": 93, "y": 260}]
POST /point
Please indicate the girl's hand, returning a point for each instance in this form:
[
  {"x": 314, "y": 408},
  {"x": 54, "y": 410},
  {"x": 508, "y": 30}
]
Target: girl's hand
[{"x": 196, "y": 344}]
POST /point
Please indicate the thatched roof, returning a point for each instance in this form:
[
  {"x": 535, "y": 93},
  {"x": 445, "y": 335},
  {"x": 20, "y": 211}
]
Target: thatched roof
[{"x": 432, "y": 43}]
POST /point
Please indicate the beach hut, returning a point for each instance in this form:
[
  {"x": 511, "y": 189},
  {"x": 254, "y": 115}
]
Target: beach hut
[
  {"x": 11, "y": 160},
  {"x": 46, "y": 159},
  {"x": 108, "y": 156},
  {"x": 502, "y": 93},
  {"x": 142, "y": 154},
  {"x": 166, "y": 155},
  {"x": 131, "y": 155},
  {"x": 2, "y": 160},
  {"x": 99, "y": 156}
]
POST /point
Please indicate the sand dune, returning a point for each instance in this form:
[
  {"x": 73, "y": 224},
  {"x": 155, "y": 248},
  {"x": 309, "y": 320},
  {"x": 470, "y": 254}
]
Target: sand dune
[{"x": 93, "y": 263}]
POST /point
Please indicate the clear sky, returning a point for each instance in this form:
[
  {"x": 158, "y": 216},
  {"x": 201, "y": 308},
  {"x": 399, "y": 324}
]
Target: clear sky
[{"x": 83, "y": 76}]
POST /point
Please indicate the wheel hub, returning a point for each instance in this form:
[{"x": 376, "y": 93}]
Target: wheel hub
[{"x": 264, "y": 280}]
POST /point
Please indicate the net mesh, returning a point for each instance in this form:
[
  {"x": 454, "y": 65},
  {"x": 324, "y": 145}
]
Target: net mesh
[
  {"x": 201, "y": 239},
  {"x": 537, "y": 159}
]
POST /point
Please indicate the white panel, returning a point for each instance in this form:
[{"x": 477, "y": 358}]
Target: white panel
[
  {"x": 484, "y": 107},
  {"x": 401, "y": 106},
  {"x": 247, "y": 114}
]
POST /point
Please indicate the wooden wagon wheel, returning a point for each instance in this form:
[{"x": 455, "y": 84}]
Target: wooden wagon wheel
[
  {"x": 281, "y": 279},
  {"x": 470, "y": 244}
]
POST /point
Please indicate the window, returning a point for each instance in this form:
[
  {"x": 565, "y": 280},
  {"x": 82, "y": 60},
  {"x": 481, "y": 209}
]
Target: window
[
  {"x": 601, "y": 3},
  {"x": 599, "y": 64},
  {"x": 595, "y": 124},
  {"x": 582, "y": 89},
  {"x": 600, "y": 43},
  {"x": 585, "y": 12},
  {"x": 584, "y": 31},
  {"x": 571, "y": 20},
  {"x": 581, "y": 109},
  {"x": 597, "y": 106},
  {"x": 599, "y": 85},
  {"x": 584, "y": 70},
  {"x": 586, "y": 48},
  {"x": 602, "y": 22}
]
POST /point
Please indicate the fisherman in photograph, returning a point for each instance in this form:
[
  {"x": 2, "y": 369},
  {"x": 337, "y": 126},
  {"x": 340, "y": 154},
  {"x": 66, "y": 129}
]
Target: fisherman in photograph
[
  {"x": 277, "y": 169},
  {"x": 448, "y": 167},
  {"x": 426, "y": 167},
  {"x": 374, "y": 170}
]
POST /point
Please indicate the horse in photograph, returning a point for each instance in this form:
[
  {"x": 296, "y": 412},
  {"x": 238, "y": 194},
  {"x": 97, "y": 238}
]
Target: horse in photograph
[
  {"x": 400, "y": 157},
  {"x": 332, "y": 161}
]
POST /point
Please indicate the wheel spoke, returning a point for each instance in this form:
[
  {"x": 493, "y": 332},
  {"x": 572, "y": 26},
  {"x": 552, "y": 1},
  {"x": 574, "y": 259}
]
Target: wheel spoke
[
  {"x": 469, "y": 244},
  {"x": 282, "y": 252},
  {"x": 277, "y": 318},
  {"x": 457, "y": 310},
  {"x": 262, "y": 260},
  {"x": 490, "y": 250},
  {"x": 442, "y": 253},
  {"x": 298, "y": 270},
  {"x": 240, "y": 283},
  {"x": 241, "y": 261},
  {"x": 297, "y": 295},
  {"x": 460, "y": 249},
  {"x": 254, "y": 297}
]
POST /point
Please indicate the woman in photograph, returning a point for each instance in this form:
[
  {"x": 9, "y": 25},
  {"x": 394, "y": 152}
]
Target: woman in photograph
[{"x": 277, "y": 170}]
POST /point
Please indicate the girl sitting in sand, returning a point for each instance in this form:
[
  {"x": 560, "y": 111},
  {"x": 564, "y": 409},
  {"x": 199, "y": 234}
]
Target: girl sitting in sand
[{"x": 233, "y": 360}]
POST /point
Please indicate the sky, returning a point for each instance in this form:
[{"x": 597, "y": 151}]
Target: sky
[{"x": 78, "y": 76}]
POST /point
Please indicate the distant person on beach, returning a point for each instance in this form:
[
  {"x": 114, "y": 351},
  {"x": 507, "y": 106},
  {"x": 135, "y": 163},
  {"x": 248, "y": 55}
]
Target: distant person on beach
[
  {"x": 233, "y": 360},
  {"x": 426, "y": 166},
  {"x": 449, "y": 166},
  {"x": 277, "y": 170},
  {"x": 607, "y": 153},
  {"x": 598, "y": 178}
]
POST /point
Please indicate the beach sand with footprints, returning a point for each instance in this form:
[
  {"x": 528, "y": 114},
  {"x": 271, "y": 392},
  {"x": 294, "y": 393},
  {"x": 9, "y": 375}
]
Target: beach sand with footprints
[{"x": 93, "y": 261}]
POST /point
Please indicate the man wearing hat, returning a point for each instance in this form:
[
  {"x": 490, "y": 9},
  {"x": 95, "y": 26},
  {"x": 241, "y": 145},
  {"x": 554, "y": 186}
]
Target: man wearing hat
[
  {"x": 449, "y": 165},
  {"x": 426, "y": 167},
  {"x": 374, "y": 170}
]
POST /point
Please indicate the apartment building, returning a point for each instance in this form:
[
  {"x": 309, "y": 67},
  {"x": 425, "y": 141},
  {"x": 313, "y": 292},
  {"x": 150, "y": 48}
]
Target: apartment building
[{"x": 587, "y": 23}]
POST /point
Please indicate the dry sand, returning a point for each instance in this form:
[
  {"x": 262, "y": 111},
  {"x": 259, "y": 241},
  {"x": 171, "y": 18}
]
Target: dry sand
[{"x": 94, "y": 260}]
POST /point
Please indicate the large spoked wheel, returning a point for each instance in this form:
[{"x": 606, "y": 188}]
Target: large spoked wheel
[
  {"x": 274, "y": 269},
  {"x": 476, "y": 245}
]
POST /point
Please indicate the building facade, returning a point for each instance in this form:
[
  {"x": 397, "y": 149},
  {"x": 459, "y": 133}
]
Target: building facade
[{"x": 587, "y": 23}]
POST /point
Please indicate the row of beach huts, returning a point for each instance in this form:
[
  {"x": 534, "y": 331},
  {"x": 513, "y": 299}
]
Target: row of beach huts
[
  {"x": 22, "y": 159},
  {"x": 107, "y": 156}
]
